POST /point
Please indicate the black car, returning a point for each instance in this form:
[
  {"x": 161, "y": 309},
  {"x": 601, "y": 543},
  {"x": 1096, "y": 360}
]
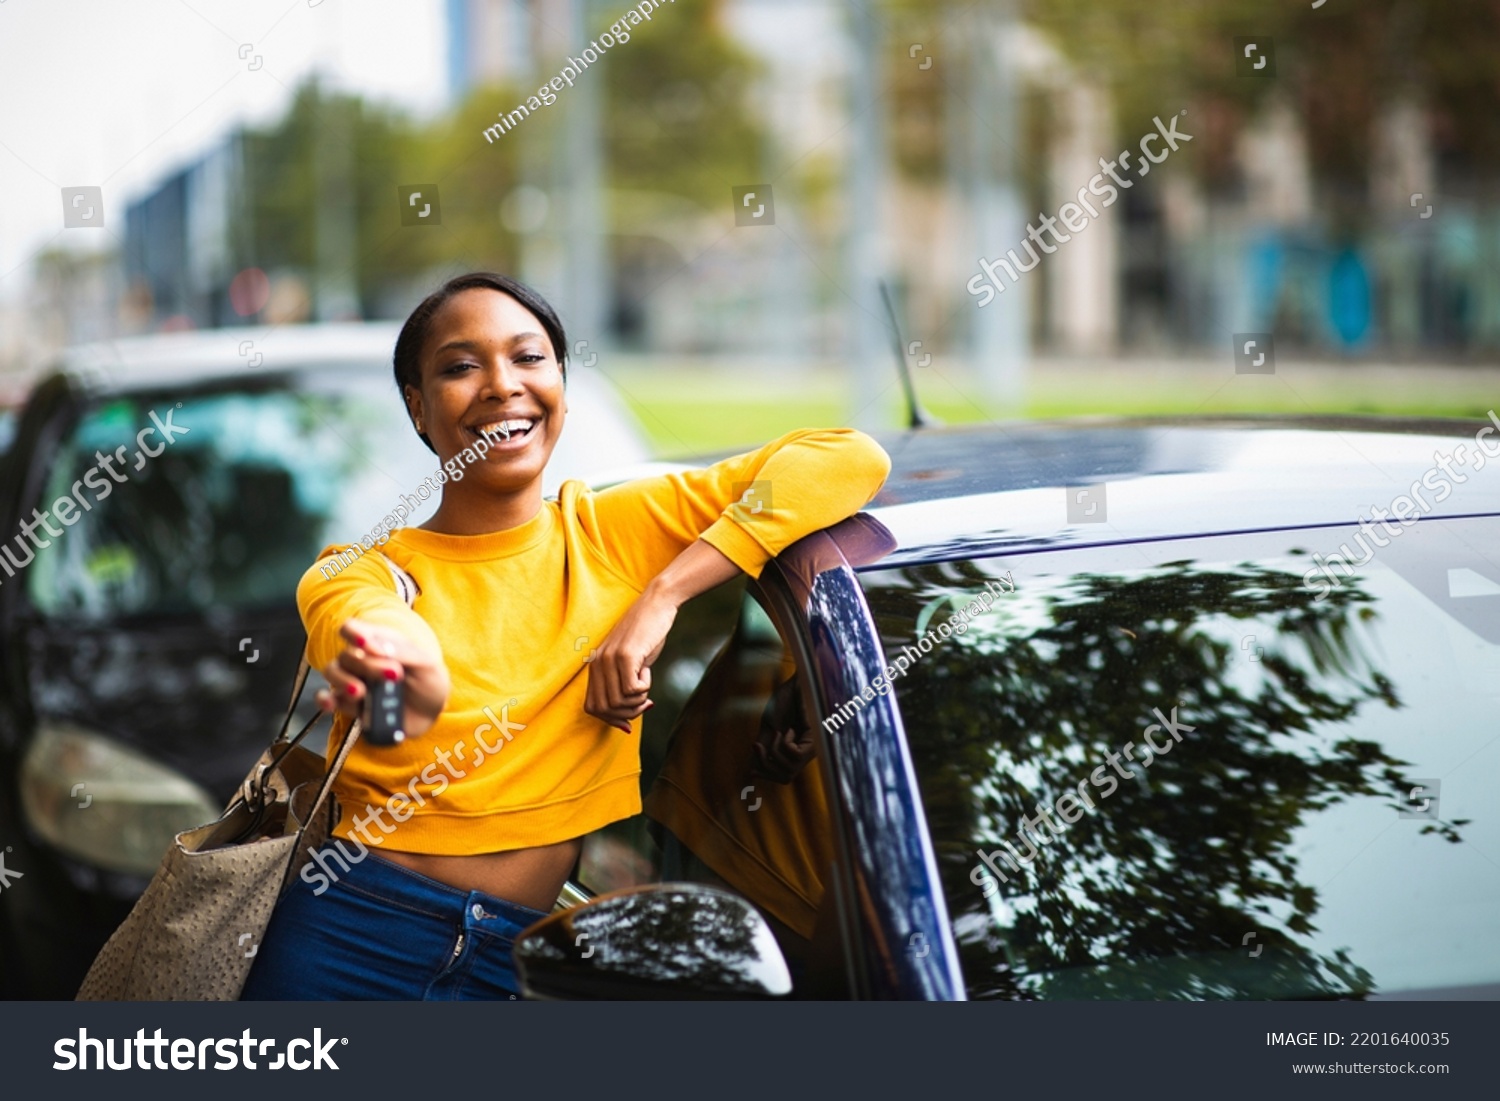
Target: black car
[
  {"x": 161, "y": 496},
  {"x": 1130, "y": 710}
]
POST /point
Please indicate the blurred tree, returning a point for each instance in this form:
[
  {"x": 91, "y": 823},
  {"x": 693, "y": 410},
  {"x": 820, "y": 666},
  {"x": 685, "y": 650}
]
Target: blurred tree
[
  {"x": 331, "y": 155},
  {"x": 680, "y": 119},
  {"x": 1339, "y": 65},
  {"x": 474, "y": 177},
  {"x": 681, "y": 115},
  {"x": 335, "y": 150}
]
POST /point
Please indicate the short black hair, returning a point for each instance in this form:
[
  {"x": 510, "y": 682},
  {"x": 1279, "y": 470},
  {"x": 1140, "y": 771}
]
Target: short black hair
[{"x": 407, "y": 357}]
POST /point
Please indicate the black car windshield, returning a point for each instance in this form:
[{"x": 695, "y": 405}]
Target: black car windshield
[
  {"x": 1207, "y": 769},
  {"x": 231, "y": 512}
]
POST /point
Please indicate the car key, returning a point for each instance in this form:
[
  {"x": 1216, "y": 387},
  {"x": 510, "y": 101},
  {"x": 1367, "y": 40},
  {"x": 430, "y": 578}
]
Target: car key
[{"x": 387, "y": 708}]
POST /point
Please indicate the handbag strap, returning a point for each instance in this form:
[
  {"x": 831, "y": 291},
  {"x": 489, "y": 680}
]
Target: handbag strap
[
  {"x": 406, "y": 584},
  {"x": 303, "y": 669}
]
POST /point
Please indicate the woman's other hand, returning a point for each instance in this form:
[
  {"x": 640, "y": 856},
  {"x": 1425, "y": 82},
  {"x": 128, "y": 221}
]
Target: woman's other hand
[
  {"x": 619, "y": 676},
  {"x": 371, "y": 652},
  {"x": 781, "y": 756}
]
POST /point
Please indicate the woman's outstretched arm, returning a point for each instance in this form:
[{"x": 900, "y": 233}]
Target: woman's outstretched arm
[{"x": 358, "y": 628}]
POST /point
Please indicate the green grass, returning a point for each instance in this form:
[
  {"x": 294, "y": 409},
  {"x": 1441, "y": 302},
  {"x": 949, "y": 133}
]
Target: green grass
[{"x": 687, "y": 412}]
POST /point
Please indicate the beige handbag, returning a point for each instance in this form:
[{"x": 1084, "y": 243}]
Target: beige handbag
[{"x": 193, "y": 934}]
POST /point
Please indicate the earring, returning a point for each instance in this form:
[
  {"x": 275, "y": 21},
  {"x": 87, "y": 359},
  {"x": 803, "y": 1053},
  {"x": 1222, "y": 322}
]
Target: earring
[{"x": 420, "y": 429}]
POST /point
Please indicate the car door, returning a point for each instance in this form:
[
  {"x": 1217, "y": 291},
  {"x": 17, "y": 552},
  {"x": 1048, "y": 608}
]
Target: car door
[
  {"x": 1198, "y": 769},
  {"x": 831, "y": 847},
  {"x": 717, "y": 810},
  {"x": 897, "y": 927}
]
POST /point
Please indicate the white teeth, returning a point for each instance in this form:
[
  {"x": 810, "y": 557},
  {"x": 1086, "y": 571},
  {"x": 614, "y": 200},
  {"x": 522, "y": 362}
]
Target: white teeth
[{"x": 505, "y": 428}]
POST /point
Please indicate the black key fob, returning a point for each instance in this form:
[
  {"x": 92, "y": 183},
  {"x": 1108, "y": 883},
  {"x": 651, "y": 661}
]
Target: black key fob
[{"x": 387, "y": 708}]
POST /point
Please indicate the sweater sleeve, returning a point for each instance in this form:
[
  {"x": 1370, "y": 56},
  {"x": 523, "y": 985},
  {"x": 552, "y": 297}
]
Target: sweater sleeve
[
  {"x": 328, "y": 596},
  {"x": 750, "y": 507}
]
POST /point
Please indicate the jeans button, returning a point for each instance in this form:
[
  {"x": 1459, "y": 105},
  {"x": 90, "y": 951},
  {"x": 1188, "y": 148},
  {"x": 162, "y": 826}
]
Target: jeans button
[{"x": 477, "y": 910}]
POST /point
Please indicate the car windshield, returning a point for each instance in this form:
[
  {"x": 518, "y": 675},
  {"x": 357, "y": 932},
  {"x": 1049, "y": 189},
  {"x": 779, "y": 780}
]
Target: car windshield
[
  {"x": 1199, "y": 769},
  {"x": 232, "y": 511}
]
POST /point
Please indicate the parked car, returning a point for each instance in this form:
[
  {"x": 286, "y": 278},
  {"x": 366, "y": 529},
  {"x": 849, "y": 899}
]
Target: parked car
[
  {"x": 9, "y": 413},
  {"x": 146, "y": 650},
  {"x": 1196, "y": 744}
]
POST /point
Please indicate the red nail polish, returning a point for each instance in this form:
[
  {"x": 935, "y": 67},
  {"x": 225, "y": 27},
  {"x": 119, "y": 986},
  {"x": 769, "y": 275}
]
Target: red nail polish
[
  {"x": 391, "y": 674},
  {"x": 359, "y": 640},
  {"x": 352, "y": 689},
  {"x": 650, "y": 704}
]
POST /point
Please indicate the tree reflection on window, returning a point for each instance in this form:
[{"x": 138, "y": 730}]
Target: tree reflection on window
[{"x": 1156, "y": 893}]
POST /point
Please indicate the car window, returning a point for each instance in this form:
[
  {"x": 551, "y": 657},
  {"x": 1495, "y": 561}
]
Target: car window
[
  {"x": 1209, "y": 768},
  {"x": 234, "y": 509},
  {"x": 717, "y": 812},
  {"x": 9, "y": 420}
]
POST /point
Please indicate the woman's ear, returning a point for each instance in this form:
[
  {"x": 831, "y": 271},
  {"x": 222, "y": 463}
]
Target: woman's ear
[{"x": 414, "y": 407}]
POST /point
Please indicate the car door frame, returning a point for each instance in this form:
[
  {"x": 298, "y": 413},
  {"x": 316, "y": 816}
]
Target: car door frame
[{"x": 892, "y": 912}]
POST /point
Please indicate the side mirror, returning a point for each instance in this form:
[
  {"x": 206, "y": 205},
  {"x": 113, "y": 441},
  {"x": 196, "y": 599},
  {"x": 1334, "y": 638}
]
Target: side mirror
[{"x": 663, "y": 941}]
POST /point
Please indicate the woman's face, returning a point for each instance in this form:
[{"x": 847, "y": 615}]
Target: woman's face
[{"x": 487, "y": 363}]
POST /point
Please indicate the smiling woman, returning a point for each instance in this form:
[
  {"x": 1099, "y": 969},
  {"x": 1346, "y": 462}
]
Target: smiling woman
[{"x": 553, "y": 608}]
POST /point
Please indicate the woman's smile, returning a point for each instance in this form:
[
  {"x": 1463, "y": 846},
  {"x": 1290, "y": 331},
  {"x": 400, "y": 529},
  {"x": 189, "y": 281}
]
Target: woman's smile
[{"x": 508, "y": 432}]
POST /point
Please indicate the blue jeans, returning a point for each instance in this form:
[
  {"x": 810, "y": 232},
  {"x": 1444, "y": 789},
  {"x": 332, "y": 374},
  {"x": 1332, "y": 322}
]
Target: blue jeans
[{"x": 382, "y": 932}]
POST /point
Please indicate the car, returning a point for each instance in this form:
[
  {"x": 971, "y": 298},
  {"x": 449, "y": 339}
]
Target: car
[
  {"x": 10, "y": 401},
  {"x": 1116, "y": 709},
  {"x": 164, "y": 495}
]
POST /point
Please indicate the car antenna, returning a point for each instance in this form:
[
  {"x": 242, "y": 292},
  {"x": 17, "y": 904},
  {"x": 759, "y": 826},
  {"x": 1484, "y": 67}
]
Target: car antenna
[{"x": 916, "y": 416}]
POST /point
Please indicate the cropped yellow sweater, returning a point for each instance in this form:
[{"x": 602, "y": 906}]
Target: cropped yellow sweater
[{"x": 514, "y": 761}]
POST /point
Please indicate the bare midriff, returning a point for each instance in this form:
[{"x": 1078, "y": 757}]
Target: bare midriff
[{"x": 531, "y": 877}]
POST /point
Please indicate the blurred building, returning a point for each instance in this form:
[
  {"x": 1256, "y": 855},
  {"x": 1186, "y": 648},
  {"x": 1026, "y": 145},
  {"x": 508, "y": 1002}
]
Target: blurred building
[
  {"x": 489, "y": 42},
  {"x": 72, "y": 298},
  {"x": 183, "y": 240}
]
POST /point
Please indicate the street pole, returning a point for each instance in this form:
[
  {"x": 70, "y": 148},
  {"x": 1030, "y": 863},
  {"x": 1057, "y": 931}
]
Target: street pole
[
  {"x": 586, "y": 259},
  {"x": 867, "y": 344},
  {"x": 999, "y": 335}
]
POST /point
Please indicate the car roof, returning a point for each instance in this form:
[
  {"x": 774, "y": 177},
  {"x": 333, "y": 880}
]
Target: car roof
[
  {"x": 610, "y": 436},
  {"x": 968, "y": 492},
  {"x": 165, "y": 359}
]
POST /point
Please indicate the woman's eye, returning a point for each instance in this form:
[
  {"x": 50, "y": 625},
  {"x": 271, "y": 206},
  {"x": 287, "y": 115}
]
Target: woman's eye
[
  {"x": 456, "y": 368},
  {"x": 530, "y": 357}
]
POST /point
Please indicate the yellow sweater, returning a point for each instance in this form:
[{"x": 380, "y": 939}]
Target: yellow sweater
[{"x": 514, "y": 761}]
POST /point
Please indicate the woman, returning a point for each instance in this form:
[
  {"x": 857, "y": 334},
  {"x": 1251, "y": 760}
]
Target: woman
[{"x": 525, "y": 658}]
